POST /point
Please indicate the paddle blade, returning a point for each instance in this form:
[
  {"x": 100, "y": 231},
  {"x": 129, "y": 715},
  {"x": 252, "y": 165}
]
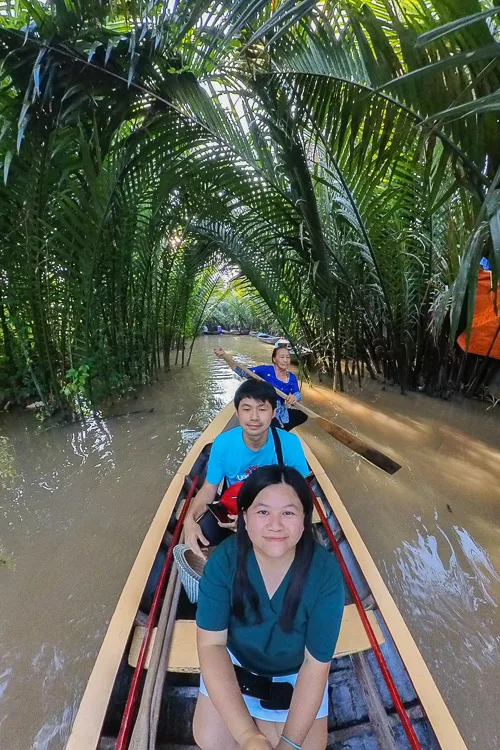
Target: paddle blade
[{"x": 374, "y": 456}]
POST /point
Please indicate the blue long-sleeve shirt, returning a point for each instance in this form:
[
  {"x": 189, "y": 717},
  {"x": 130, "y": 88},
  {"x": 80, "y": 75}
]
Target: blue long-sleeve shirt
[{"x": 268, "y": 372}]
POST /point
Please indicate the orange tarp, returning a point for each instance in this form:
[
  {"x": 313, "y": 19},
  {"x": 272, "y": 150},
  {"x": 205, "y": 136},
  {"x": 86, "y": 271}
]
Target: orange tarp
[{"x": 486, "y": 323}]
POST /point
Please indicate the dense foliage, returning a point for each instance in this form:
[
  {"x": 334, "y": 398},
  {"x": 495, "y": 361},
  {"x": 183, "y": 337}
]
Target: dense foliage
[
  {"x": 343, "y": 154},
  {"x": 237, "y": 311}
]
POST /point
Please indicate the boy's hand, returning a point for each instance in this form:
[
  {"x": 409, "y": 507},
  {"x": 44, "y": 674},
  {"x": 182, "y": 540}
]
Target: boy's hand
[{"x": 231, "y": 525}]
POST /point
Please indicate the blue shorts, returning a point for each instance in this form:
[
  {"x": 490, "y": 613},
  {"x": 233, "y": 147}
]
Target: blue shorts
[{"x": 253, "y": 704}]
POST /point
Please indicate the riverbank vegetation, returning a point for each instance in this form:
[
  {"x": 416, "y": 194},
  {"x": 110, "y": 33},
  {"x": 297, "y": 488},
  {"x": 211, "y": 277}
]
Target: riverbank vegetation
[
  {"x": 344, "y": 156},
  {"x": 240, "y": 311}
]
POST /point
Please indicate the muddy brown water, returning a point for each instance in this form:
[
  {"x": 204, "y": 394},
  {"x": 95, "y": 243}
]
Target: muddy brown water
[{"x": 76, "y": 501}]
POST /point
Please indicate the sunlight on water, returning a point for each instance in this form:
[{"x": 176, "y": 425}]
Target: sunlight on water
[{"x": 431, "y": 567}]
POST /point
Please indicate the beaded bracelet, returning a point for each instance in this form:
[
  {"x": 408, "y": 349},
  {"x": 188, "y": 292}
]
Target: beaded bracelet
[{"x": 292, "y": 744}]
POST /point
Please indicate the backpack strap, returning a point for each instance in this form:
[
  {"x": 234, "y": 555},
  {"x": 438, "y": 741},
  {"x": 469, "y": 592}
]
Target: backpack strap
[{"x": 277, "y": 446}]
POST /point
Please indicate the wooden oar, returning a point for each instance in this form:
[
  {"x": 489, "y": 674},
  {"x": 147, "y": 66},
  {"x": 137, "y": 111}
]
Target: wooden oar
[
  {"x": 376, "y": 457},
  {"x": 145, "y": 727}
]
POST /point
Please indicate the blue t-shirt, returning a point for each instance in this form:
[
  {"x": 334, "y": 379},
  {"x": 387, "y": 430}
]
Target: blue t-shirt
[
  {"x": 263, "y": 647},
  {"x": 268, "y": 373},
  {"x": 231, "y": 458}
]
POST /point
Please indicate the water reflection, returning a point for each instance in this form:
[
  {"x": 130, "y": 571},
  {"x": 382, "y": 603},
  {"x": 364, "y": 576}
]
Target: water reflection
[
  {"x": 7, "y": 462},
  {"x": 434, "y": 531},
  {"x": 481, "y": 564},
  {"x": 93, "y": 437},
  {"x": 4, "y": 681},
  {"x": 451, "y": 587},
  {"x": 55, "y": 732},
  {"x": 76, "y": 502},
  {"x": 432, "y": 570}
]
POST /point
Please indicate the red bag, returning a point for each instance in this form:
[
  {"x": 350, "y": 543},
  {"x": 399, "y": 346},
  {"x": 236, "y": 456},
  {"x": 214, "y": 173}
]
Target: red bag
[{"x": 229, "y": 498}]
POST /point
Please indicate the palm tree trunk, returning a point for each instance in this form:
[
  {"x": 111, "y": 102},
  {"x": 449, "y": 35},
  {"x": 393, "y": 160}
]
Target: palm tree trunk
[{"x": 7, "y": 342}]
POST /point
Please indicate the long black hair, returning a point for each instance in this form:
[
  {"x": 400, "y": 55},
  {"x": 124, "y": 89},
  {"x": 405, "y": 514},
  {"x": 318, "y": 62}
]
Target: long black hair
[{"x": 243, "y": 590}]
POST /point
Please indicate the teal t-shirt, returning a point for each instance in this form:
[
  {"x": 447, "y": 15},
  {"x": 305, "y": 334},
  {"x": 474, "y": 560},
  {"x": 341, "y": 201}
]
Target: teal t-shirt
[
  {"x": 264, "y": 648},
  {"x": 230, "y": 456}
]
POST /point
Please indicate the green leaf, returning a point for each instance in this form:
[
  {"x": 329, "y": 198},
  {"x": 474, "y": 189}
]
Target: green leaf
[
  {"x": 133, "y": 65},
  {"x": 449, "y": 28},
  {"x": 6, "y": 165},
  {"x": 94, "y": 46},
  {"x": 487, "y": 103},
  {"x": 452, "y": 61},
  {"x": 493, "y": 213}
]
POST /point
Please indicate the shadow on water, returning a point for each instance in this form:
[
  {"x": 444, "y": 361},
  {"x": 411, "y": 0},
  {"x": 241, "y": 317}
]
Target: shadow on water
[{"x": 76, "y": 502}]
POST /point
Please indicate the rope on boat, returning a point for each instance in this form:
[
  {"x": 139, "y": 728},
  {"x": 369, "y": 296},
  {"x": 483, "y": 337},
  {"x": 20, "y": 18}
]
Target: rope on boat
[
  {"x": 123, "y": 739},
  {"x": 389, "y": 680}
]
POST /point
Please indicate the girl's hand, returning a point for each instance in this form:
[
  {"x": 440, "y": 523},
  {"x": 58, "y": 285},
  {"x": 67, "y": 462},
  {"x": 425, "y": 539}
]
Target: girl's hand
[
  {"x": 219, "y": 352},
  {"x": 290, "y": 400},
  {"x": 282, "y": 745},
  {"x": 256, "y": 742}
]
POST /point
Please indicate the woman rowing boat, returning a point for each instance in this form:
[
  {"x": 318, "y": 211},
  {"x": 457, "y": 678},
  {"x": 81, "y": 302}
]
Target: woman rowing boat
[
  {"x": 270, "y": 603},
  {"x": 279, "y": 376}
]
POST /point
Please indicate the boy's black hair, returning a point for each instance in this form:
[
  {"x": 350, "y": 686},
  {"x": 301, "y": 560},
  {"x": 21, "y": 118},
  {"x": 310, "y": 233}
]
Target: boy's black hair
[{"x": 259, "y": 390}]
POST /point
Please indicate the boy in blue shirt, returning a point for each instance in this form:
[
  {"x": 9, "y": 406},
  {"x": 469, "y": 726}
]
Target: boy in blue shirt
[{"x": 236, "y": 453}]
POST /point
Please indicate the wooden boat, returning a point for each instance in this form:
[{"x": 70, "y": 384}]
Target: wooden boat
[
  {"x": 267, "y": 338},
  {"x": 365, "y": 708},
  {"x": 305, "y": 354}
]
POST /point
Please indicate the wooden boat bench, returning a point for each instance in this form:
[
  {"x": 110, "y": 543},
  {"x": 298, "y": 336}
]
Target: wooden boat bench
[{"x": 183, "y": 656}]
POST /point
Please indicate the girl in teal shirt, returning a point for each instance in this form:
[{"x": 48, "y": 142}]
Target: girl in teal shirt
[{"x": 269, "y": 611}]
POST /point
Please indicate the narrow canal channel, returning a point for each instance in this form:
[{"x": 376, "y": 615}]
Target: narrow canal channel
[{"x": 76, "y": 502}]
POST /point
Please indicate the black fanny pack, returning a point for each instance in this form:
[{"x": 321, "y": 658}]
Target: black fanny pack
[{"x": 273, "y": 696}]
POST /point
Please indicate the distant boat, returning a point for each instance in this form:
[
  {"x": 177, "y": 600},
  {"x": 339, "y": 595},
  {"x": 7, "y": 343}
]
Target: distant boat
[
  {"x": 304, "y": 351},
  {"x": 267, "y": 338}
]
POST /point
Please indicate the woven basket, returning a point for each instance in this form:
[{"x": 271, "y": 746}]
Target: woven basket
[{"x": 190, "y": 568}]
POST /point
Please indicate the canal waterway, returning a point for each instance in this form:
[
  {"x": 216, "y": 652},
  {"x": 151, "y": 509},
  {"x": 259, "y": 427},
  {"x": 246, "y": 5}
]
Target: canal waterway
[{"x": 76, "y": 502}]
